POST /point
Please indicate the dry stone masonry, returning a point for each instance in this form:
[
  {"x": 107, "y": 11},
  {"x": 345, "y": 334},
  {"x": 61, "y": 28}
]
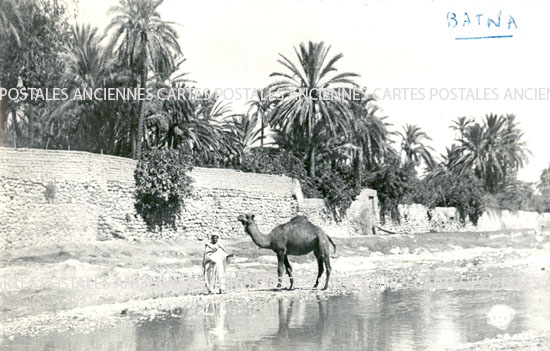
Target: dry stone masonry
[
  {"x": 417, "y": 218},
  {"x": 50, "y": 196}
]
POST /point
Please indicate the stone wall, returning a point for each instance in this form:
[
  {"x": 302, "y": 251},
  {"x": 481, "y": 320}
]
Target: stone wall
[
  {"x": 50, "y": 196},
  {"x": 221, "y": 195},
  {"x": 46, "y": 196},
  {"x": 503, "y": 219},
  {"x": 416, "y": 218},
  {"x": 363, "y": 216}
]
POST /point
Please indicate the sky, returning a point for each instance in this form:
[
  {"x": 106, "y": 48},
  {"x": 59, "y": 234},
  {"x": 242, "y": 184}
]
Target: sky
[{"x": 397, "y": 47}]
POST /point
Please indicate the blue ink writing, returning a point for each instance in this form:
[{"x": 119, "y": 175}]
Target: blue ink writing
[{"x": 493, "y": 23}]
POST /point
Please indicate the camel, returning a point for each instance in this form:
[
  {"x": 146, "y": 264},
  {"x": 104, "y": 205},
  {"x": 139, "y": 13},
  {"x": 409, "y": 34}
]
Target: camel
[{"x": 297, "y": 237}]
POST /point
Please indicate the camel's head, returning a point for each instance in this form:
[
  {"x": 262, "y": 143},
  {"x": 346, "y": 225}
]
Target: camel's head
[{"x": 246, "y": 219}]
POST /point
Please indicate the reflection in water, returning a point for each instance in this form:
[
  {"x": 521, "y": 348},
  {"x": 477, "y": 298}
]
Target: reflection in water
[
  {"x": 299, "y": 321},
  {"x": 215, "y": 324},
  {"x": 388, "y": 320}
]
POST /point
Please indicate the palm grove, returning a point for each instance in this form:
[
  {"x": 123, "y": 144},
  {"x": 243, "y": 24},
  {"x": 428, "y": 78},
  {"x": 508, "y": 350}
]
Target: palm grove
[{"x": 333, "y": 146}]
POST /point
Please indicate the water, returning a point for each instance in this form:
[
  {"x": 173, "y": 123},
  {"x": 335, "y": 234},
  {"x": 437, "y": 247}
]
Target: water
[{"x": 385, "y": 320}]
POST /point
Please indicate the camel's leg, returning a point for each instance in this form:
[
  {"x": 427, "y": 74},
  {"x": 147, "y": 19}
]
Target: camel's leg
[
  {"x": 326, "y": 258},
  {"x": 289, "y": 272},
  {"x": 280, "y": 264},
  {"x": 320, "y": 268}
]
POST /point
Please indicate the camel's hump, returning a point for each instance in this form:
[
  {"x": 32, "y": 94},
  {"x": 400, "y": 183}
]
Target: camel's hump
[{"x": 300, "y": 219}]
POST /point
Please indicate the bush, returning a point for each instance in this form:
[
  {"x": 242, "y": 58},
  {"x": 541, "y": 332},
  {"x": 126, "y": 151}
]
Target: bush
[
  {"x": 162, "y": 184},
  {"x": 519, "y": 196},
  {"x": 513, "y": 197},
  {"x": 394, "y": 184},
  {"x": 446, "y": 189},
  {"x": 541, "y": 203},
  {"x": 338, "y": 190},
  {"x": 335, "y": 185}
]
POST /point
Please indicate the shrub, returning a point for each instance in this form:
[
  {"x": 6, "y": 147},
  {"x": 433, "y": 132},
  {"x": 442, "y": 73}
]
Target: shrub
[
  {"x": 338, "y": 190},
  {"x": 335, "y": 184},
  {"x": 162, "y": 184},
  {"x": 513, "y": 197},
  {"x": 443, "y": 188},
  {"x": 394, "y": 184},
  {"x": 541, "y": 203},
  {"x": 519, "y": 196}
]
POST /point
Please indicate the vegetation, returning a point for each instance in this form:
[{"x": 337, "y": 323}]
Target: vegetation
[
  {"x": 493, "y": 149},
  {"x": 335, "y": 146},
  {"x": 544, "y": 185},
  {"x": 162, "y": 185},
  {"x": 413, "y": 147},
  {"x": 444, "y": 188},
  {"x": 394, "y": 181},
  {"x": 143, "y": 44},
  {"x": 300, "y": 112},
  {"x": 33, "y": 34}
]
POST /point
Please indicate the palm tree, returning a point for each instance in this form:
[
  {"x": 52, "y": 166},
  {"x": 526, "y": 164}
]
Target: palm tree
[
  {"x": 162, "y": 115},
  {"x": 517, "y": 153},
  {"x": 199, "y": 124},
  {"x": 259, "y": 108},
  {"x": 96, "y": 126},
  {"x": 246, "y": 130},
  {"x": 444, "y": 168},
  {"x": 413, "y": 146},
  {"x": 367, "y": 141},
  {"x": 370, "y": 132},
  {"x": 88, "y": 64},
  {"x": 300, "y": 108},
  {"x": 10, "y": 20},
  {"x": 461, "y": 125},
  {"x": 145, "y": 43},
  {"x": 10, "y": 28},
  {"x": 494, "y": 150}
]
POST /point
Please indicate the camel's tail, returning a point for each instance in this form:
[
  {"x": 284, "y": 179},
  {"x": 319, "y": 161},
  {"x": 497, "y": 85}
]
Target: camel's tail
[{"x": 332, "y": 242}]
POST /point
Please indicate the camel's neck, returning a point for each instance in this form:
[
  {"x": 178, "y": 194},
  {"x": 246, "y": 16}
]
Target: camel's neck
[{"x": 263, "y": 241}]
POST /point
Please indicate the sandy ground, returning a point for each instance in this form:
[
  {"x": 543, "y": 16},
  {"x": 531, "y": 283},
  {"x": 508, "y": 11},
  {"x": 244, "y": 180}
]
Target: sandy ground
[{"x": 89, "y": 286}]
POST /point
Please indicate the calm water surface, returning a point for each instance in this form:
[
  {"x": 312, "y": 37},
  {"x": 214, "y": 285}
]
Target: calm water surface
[{"x": 388, "y": 320}]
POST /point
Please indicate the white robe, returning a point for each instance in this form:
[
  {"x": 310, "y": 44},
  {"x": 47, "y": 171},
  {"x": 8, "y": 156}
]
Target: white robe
[{"x": 214, "y": 269}]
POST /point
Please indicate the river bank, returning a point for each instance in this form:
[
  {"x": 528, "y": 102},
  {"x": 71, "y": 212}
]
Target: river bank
[{"x": 170, "y": 275}]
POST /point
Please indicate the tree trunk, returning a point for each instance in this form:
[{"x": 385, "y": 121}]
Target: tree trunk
[
  {"x": 15, "y": 126},
  {"x": 358, "y": 165},
  {"x": 311, "y": 169},
  {"x": 369, "y": 154},
  {"x": 262, "y": 133},
  {"x": 3, "y": 118},
  {"x": 140, "y": 132},
  {"x": 131, "y": 134}
]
